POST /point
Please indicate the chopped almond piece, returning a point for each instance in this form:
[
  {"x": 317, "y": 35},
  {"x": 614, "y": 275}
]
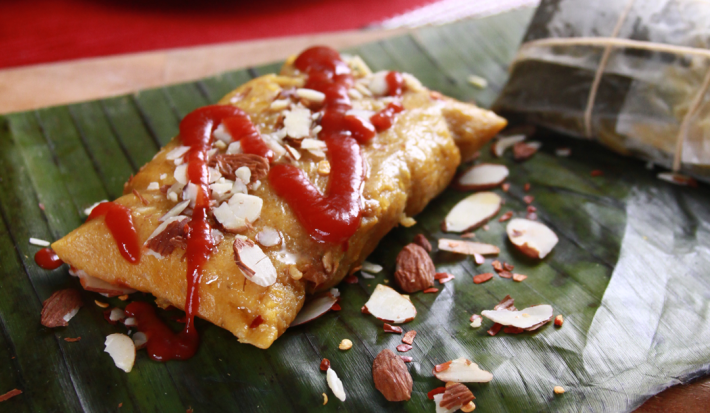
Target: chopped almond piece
[
  {"x": 481, "y": 278},
  {"x": 443, "y": 277},
  {"x": 479, "y": 259},
  {"x": 494, "y": 329},
  {"x": 528, "y": 199},
  {"x": 409, "y": 337},
  {"x": 506, "y": 216},
  {"x": 505, "y": 274},
  {"x": 508, "y": 267},
  {"x": 421, "y": 240},
  {"x": 526, "y": 187},
  {"x": 60, "y": 307},
  {"x": 519, "y": 277},
  {"x": 325, "y": 399},
  {"x": 345, "y": 344},
  {"x": 467, "y": 247},
  {"x": 559, "y": 320},
  {"x": 505, "y": 187},
  {"x": 403, "y": 348},
  {"x": 497, "y": 266},
  {"x": 324, "y": 168},
  {"x": 406, "y": 359},
  {"x": 101, "y": 304},
  {"x": 392, "y": 329},
  {"x": 559, "y": 390},
  {"x": 431, "y": 290}
]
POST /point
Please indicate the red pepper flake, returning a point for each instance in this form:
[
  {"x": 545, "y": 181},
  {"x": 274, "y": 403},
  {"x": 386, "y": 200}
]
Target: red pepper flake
[
  {"x": 519, "y": 277},
  {"x": 479, "y": 259},
  {"x": 494, "y": 329},
  {"x": 351, "y": 279},
  {"x": 257, "y": 322},
  {"x": 393, "y": 329},
  {"x": 120, "y": 405},
  {"x": 506, "y": 216},
  {"x": 513, "y": 330},
  {"x": 336, "y": 307},
  {"x": 409, "y": 337},
  {"x": 72, "y": 340},
  {"x": 9, "y": 395},
  {"x": 475, "y": 317},
  {"x": 531, "y": 208},
  {"x": 528, "y": 199},
  {"x": 526, "y": 187},
  {"x": 559, "y": 320},
  {"x": 505, "y": 274},
  {"x": 434, "y": 392},
  {"x": 497, "y": 266},
  {"x": 324, "y": 364},
  {"x": 364, "y": 310},
  {"x": 505, "y": 187},
  {"x": 41, "y": 206},
  {"x": 597, "y": 172},
  {"x": 481, "y": 278},
  {"x": 442, "y": 367},
  {"x": 431, "y": 290},
  {"x": 443, "y": 277},
  {"x": 406, "y": 359},
  {"x": 403, "y": 348},
  {"x": 508, "y": 267}
]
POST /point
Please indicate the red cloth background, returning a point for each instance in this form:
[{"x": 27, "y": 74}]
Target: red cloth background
[{"x": 39, "y": 31}]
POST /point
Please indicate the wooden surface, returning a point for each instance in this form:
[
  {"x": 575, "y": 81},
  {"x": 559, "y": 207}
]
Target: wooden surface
[{"x": 38, "y": 86}]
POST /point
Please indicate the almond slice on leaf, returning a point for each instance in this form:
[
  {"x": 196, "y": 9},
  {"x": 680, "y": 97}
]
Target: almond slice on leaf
[
  {"x": 529, "y": 318},
  {"x": 524, "y": 150},
  {"x": 472, "y": 212},
  {"x": 122, "y": 350},
  {"x": 60, "y": 307},
  {"x": 532, "y": 238},
  {"x": 456, "y": 396},
  {"x": 482, "y": 176},
  {"x": 467, "y": 247},
  {"x": 499, "y": 147},
  {"x": 315, "y": 307},
  {"x": 388, "y": 305},
  {"x": 335, "y": 384},
  {"x": 461, "y": 370},
  {"x": 253, "y": 263}
]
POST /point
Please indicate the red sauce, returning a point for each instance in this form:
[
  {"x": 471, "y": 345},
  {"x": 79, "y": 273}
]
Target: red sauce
[
  {"x": 163, "y": 344},
  {"x": 336, "y": 216},
  {"x": 395, "y": 83},
  {"x": 120, "y": 223},
  {"x": 384, "y": 119},
  {"x": 49, "y": 260},
  {"x": 196, "y": 132}
]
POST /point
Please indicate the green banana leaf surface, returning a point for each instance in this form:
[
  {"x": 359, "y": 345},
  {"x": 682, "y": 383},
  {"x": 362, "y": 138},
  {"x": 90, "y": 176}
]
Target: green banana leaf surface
[{"x": 630, "y": 273}]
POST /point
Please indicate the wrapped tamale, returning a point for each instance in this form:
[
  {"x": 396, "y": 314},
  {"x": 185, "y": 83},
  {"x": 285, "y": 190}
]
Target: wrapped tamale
[{"x": 651, "y": 62}]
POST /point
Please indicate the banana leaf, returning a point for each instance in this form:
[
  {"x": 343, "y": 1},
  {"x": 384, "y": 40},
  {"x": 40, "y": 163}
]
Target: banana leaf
[{"x": 629, "y": 273}]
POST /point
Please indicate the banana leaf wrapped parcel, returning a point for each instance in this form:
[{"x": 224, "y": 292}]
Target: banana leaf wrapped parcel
[{"x": 632, "y": 74}]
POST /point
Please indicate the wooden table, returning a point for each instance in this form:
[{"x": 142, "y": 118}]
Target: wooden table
[{"x": 38, "y": 86}]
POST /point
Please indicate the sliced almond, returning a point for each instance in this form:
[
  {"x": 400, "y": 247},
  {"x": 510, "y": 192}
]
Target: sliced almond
[
  {"x": 268, "y": 237},
  {"x": 463, "y": 370},
  {"x": 140, "y": 340},
  {"x": 253, "y": 263},
  {"x": 315, "y": 307},
  {"x": 297, "y": 122},
  {"x": 122, "y": 350},
  {"x": 472, "y": 212},
  {"x": 502, "y": 144},
  {"x": 390, "y": 306},
  {"x": 336, "y": 386},
  {"x": 61, "y": 307},
  {"x": 482, "y": 176},
  {"x": 525, "y": 318},
  {"x": 525, "y": 150},
  {"x": 532, "y": 238},
  {"x": 467, "y": 247}
]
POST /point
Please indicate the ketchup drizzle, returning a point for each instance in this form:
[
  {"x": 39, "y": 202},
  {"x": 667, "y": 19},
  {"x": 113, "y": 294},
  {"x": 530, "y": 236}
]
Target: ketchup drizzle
[
  {"x": 48, "y": 259},
  {"x": 336, "y": 216},
  {"x": 120, "y": 223}
]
